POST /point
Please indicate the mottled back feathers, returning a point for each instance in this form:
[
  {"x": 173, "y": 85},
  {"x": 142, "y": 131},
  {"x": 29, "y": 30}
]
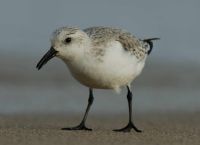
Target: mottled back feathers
[{"x": 103, "y": 35}]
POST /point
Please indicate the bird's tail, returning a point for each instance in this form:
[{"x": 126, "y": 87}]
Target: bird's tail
[{"x": 149, "y": 41}]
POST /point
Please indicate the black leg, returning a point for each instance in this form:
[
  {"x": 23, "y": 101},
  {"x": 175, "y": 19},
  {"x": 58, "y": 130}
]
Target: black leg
[
  {"x": 130, "y": 124},
  {"x": 82, "y": 126}
]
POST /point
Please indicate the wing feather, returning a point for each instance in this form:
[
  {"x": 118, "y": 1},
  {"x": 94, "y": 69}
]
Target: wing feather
[{"x": 103, "y": 35}]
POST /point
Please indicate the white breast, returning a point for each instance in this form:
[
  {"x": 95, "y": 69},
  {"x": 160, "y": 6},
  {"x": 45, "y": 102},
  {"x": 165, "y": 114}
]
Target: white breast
[{"x": 117, "y": 68}]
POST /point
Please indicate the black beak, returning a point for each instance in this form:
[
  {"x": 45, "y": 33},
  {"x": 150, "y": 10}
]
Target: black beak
[{"x": 49, "y": 55}]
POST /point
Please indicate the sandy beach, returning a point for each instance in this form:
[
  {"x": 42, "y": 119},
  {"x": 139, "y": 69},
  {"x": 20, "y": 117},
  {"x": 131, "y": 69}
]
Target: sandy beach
[
  {"x": 158, "y": 129},
  {"x": 35, "y": 105}
]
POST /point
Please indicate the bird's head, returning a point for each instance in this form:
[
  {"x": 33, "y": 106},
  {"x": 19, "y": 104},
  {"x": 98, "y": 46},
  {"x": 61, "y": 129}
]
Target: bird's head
[{"x": 67, "y": 43}]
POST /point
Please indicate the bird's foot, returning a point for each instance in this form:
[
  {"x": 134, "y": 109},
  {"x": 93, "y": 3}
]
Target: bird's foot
[
  {"x": 81, "y": 126},
  {"x": 128, "y": 128}
]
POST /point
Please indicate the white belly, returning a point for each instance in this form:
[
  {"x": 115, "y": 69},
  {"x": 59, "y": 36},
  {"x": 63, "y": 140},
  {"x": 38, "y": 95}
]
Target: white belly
[{"x": 118, "y": 68}]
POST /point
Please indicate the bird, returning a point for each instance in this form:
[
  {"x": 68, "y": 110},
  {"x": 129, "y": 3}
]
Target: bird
[{"x": 100, "y": 57}]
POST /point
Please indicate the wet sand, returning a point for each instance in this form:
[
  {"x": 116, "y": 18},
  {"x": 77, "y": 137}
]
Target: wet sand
[{"x": 158, "y": 128}]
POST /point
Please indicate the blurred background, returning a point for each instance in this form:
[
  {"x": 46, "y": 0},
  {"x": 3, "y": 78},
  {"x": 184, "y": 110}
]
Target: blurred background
[{"x": 169, "y": 82}]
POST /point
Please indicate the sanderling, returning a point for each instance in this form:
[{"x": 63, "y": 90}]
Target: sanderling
[{"x": 100, "y": 58}]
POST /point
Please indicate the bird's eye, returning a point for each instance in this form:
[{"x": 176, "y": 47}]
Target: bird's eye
[{"x": 68, "y": 40}]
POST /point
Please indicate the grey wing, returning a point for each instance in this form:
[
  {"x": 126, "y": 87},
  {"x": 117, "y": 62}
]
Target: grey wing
[
  {"x": 133, "y": 45},
  {"x": 130, "y": 43},
  {"x": 102, "y": 34}
]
